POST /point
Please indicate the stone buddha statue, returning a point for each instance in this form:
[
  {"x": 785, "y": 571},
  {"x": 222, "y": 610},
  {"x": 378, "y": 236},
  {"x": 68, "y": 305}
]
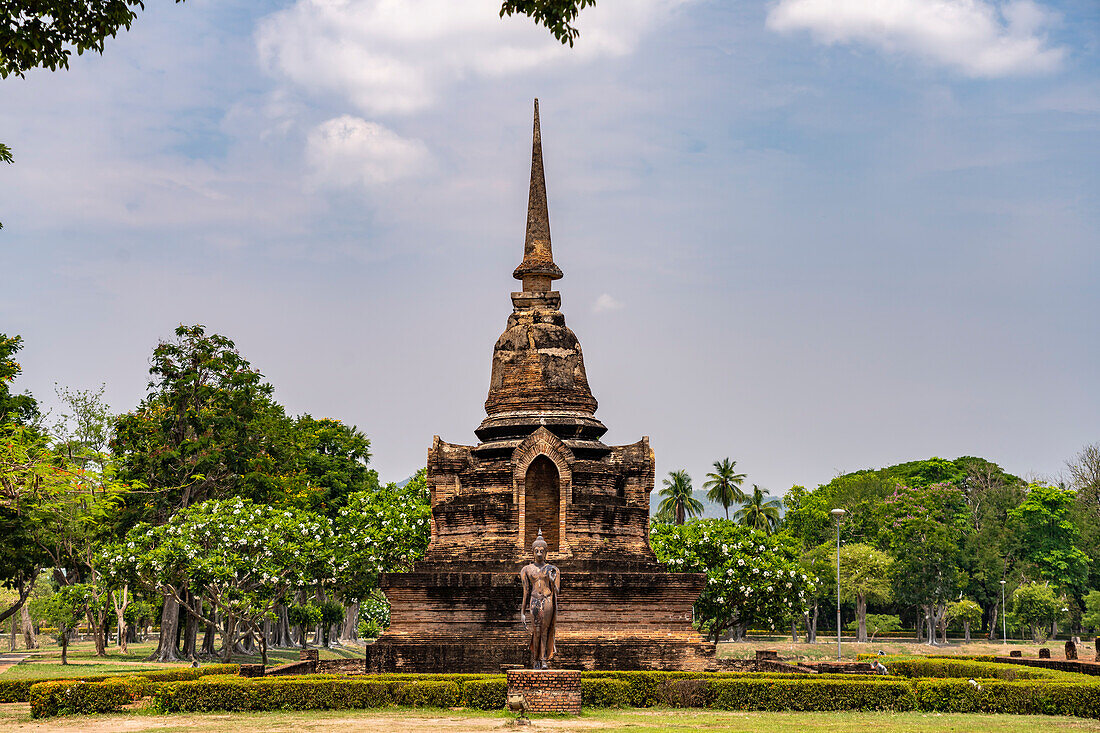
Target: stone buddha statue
[{"x": 540, "y": 596}]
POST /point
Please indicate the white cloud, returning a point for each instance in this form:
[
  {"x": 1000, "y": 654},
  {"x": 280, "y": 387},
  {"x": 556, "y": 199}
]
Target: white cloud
[
  {"x": 978, "y": 37},
  {"x": 606, "y": 303},
  {"x": 349, "y": 151},
  {"x": 392, "y": 56}
]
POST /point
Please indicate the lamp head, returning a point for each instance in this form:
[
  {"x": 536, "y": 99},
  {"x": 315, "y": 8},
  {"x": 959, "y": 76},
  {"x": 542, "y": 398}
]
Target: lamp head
[
  {"x": 1003, "y": 582},
  {"x": 838, "y": 513}
]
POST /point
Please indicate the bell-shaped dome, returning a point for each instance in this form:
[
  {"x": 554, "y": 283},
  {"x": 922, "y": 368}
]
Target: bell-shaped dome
[{"x": 538, "y": 376}]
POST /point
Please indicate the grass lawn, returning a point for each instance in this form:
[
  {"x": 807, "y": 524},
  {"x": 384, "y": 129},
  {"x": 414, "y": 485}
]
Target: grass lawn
[
  {"x": 16, "y": 717},
  {"x": 46, "y": 661}
]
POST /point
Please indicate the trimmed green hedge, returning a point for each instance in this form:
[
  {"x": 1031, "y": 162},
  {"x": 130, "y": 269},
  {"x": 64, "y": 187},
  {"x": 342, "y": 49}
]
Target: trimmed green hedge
[
  {"x": 967, "y": 669},
  {"x": 809, "y": 694},
  {"x": 606, "y": 693},
  {"x": 19, "y": 690},
  {"x": 68, "y": 697},
  {"x": 1024, "y": 697},
  {"x": 486, "y": 694},
  {"x": 734, "y": 691},
  {"x": 291, "y": 693}
]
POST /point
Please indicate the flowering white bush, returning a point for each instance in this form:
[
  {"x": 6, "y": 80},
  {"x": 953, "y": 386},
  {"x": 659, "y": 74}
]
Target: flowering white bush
[{"x": 743, "y": 568}]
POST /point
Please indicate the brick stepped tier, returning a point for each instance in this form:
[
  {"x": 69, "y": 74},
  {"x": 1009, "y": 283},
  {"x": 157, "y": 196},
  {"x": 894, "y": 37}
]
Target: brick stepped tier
[{"x": 469, "y": 622}]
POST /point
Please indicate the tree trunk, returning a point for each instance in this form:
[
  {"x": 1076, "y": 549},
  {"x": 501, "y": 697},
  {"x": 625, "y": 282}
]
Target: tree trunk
[
  {"x": 993, "y": 628},
  {"x": 350, "y": 630},
  {"x": 191, "y": 628},
  {"x": 282, "y": 637},
  {"x": 29, "y": 639},
  {"x": 861, "y": 614},
  {"x": 167, "y": 651},
  {"x": 794, "y": 631},
  {"x": 229, "y": 638},
  {"x": 263, "y": 649},
  {"x": 208, "y": 649},
  {"x": 63, "y": 637},
  {"x": 99, "y": 633},
  {"x": 966, "y": 630},
  {"x": 11, "y": 639}
]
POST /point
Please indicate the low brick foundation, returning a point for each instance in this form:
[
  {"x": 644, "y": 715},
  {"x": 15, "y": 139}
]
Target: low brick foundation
[
  {"x": 1078, "y": 666},
  {"x": 547, "y": 690}
]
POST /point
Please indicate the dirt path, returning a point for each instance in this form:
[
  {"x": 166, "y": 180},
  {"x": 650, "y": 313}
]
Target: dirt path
[
  {"x": 16, "y": 720},
  {"x": 9, "y": 660}
]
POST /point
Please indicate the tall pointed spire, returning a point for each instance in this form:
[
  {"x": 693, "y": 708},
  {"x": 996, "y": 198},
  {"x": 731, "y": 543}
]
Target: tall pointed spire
[{"x": 537, "y": 269}]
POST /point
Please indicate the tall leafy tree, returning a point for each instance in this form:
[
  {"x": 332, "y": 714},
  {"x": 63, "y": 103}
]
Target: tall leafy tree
[
  {"x": 927, "y": 526},
  {"x": 679, "y": 498},
  {"x": 26, "y": 467},
  {"x": 1038, "y": 606},
  {"x": 21, "y": 409},
  {"x": 864, "y": 576},
  {"x": 208, "y": 429},
  {"x": 723, "y": 484},
  {"x": 332, "y": 458},
  {"x": 759, "y": 512},
  {"x": 1047, "y": 537},
  {"x": 241, "y": 558},
  {"x": 965, "y": 612}
]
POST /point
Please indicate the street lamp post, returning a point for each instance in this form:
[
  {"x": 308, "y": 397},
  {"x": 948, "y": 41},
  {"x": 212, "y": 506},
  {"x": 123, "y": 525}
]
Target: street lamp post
[
  {"x": 838, "y": 514},
  {"x": 1004, "y": 616}
]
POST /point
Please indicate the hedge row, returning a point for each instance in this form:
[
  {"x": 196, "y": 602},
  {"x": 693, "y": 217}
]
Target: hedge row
[
  {"x": 804, "y": 694},
  {"x": 941, "y": 667},
  {"x": 289, "y": 693},
  {"x": 66, "y": 697},
  {"x": 20, "y": 690},
  {"x": 1080, "y": 699}
]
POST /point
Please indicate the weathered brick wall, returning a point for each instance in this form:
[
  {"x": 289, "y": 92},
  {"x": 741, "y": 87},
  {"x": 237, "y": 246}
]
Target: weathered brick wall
[
  {"x": 1079, "y": 666},
  {"x": 547, "y": 690}
]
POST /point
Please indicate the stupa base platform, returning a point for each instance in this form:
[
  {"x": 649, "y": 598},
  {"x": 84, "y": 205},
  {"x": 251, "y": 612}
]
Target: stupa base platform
[
  {"x": 395, "y": 654},
  {"x": 631, "y": 617}
]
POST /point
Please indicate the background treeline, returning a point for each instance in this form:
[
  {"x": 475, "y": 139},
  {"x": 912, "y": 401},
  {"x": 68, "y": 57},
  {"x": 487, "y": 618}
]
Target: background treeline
[
  {"x": 206, "y": 512},
  {"x": 924, "y": 544}
]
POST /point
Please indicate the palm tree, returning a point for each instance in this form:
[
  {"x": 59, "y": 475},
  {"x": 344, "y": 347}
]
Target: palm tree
[
  {"x": 724, "y": 486},
  {"x": 759, "y": 511},
  {"x": 679, "y": 500}
]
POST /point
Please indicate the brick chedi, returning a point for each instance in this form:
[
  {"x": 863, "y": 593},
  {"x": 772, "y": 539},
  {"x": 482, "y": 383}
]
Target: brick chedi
[{"x": 540, "y": 465}]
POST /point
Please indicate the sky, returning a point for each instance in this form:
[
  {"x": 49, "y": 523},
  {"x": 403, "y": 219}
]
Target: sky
[{"x": 813, "y": 236}]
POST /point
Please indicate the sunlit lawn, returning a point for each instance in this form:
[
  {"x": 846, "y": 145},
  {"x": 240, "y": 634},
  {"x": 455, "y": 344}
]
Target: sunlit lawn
[
  {"x": 46, "y": 661},
  {"x": 16, "y": 717}
]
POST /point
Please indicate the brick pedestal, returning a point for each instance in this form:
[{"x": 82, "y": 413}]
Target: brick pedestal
[
  {"x": 547, "y": 690},
  {"x": 1044, "y": 653},
  {"x": 1071, "y": 650}
]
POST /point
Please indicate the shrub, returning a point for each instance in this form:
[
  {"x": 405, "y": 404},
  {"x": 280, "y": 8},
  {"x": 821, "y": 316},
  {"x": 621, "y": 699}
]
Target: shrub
[
  {"x": 683, "y": 693},
  {"x": 232, "y": 693},
  {"x": 487, "y": 694},
  {"x": 809, "y": 694},
  {"x": 427, "y": 694},
  {"x": 67, "y": 697},
  {"x": 965, "y": 668},
  {"x": 605, "y": 693},
  {"x": 1022, "y": 697}
]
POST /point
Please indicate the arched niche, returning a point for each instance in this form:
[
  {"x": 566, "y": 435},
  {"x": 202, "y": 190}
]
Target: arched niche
[
  {"x": 542, "y": 507},
  {"x": 541, "y": 459}
]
